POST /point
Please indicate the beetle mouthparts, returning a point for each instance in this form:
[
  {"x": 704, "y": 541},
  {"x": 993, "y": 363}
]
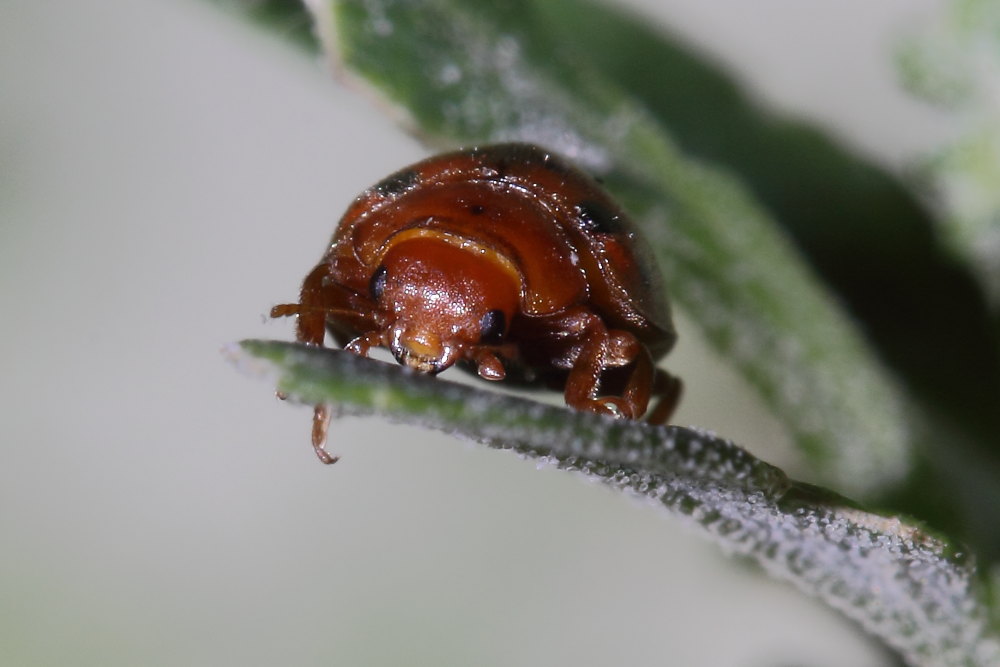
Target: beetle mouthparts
[
  {"x": 422, "y": 351},
  {"x": 424, "y": 354},
  {"x": 418, "y": 362}
]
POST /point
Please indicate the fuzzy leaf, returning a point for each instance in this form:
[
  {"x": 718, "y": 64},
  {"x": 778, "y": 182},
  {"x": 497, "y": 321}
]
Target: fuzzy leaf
[
  {"x": 869, "y": 238},
  {"x": 914, "y": 590}
]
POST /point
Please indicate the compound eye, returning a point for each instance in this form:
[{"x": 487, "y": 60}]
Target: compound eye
[
  {"x": 492, "y": 327},
  {"x": 377, "y": 283}
]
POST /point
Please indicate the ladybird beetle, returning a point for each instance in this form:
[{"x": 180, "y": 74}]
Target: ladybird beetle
[{"x": 503, "y": 258}]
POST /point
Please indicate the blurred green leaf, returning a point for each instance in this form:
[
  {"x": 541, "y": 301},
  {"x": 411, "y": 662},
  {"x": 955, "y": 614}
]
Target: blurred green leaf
[
  {"x": 913, "y": 589},
  {"x": 287, "y": 18},
  {"x": 954, "y": 61},
  {"x": 863, "y": 232}
]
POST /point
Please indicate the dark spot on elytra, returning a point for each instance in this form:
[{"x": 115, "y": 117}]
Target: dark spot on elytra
[
  {"x": 556, "y": 166},
  {"x": 397, "y": 183},
  {"x": 492, "y": 327},
  {"x": 477, "y": 209},
  {"x": 511, "y": 157},
  {"x": 501, "y": 167},
  {"x": 377, "y": 283},
  {"x": 597, "y": 218}
]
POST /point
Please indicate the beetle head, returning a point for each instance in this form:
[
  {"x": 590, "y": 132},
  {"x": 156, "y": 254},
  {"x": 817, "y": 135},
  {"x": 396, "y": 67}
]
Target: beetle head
[{"x": 442, "y": 300}]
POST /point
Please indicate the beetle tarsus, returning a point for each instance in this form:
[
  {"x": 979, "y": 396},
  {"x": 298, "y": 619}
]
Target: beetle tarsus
[
  {"x": 285, "y": 310},
  {"x": 321, "y": 424},
  {"x": 669, "y": 389}
]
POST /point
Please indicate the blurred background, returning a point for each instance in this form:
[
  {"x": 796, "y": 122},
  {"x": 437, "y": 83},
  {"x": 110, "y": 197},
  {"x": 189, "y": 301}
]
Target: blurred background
[{"x": 167, "y": 174}]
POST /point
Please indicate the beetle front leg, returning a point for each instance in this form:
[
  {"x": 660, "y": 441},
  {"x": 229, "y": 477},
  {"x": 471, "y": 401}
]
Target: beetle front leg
[
  {"x": 320, "y": 427},
  {"x": 310, "y": 325},
  {"x": 319, "y": 300},
  {"x": 602, "y": 349},
  {"x": 364, "y": 343},
  {"x": 321, "y": 413},
  {"x": 487, "y": 360}
]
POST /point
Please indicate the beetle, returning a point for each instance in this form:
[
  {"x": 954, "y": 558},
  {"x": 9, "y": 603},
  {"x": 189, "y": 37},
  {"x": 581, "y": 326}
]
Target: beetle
[{"x": 505, "y": 259}]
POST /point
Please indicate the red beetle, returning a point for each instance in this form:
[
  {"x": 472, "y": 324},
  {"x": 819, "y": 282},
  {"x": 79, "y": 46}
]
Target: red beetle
[{"x": 504, "y": 258}]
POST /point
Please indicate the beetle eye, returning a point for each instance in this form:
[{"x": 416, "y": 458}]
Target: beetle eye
[
  {"x": 377, "y": 284},
  {"x": 492, "y": 326}
]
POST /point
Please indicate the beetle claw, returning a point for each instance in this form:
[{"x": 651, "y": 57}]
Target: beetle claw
[
  {"x": 321, "y": 424},
  {"x": 614, "y": 407},
  {"x": 489, "y": 367}
]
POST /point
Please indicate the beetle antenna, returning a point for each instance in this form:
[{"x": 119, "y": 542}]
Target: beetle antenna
[{"x": 289, "y": 309}]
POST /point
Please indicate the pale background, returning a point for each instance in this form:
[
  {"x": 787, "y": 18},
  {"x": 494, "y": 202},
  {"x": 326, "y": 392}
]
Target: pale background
[{"x": 166, "y": 175}]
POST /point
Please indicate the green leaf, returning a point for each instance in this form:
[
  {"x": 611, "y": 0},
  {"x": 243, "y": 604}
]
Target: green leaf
[
  {"x": 287, "y": 18},
  {"x": 954, "y": 61},
  {"x": 866, "y": 235},
  {"x": 915, "y": 590},
  {"x": 481, "y": 72}
]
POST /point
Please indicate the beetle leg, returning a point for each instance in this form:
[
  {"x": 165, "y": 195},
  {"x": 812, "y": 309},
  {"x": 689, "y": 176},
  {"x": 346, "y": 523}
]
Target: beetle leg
[
  {"x": 321, "y": 413},
  {"x": 667, "y": 388},
  {"x": 603, "y": 349},
  {"x": 640, "y": 380},
  {"x": 583, "y": 378},
  {"x": 598, "y": 351},
  {"x": 320, "y": 300},
  {"x": 317, "y": 300},
  {"x": 310, "y": 326},
  {"x": 646, "y": 381},
  {"x": 362, "y": 344},
  {"x": 321, "y": 424},
  {"x": 488, "y": 365}
]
